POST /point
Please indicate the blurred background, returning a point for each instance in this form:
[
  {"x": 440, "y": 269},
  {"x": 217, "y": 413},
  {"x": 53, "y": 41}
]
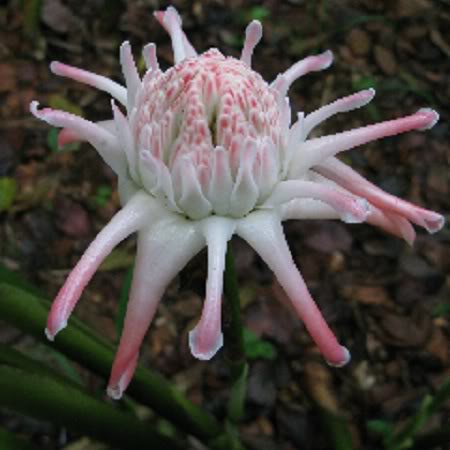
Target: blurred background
[{"x": 387, "y": 302}]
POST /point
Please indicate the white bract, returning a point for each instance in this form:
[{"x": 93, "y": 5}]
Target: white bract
[{"x": 205, "y": 150}]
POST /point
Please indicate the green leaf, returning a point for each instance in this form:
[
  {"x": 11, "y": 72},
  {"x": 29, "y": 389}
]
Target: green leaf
[
  {"x": 258, "y": 348},
  {"x": 8, "y": 190},
  {"x": 78, "y": 342},
  {"x": 48, "y": 399},
  {"x": 102, "y": 195},
  {"x": 8, "y": 276}
]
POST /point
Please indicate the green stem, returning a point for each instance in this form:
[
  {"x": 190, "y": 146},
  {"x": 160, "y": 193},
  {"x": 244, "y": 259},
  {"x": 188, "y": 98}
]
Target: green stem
[
  {"x": 11, "y": 357},
  {"x": 45, "y": 398},
  {"x": 27, "y": 313},
  {"x": 234, "y": 341}
]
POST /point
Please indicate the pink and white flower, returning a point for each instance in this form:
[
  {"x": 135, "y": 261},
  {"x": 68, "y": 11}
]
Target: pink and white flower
[{"x": 206, "y": 150}]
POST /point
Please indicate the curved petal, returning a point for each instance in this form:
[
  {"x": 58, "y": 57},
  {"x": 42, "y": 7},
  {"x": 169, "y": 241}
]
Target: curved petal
[
  {"x": 263, "y": 231},
  {"x": 69, "y": 136},
  {"x": 344, "y": 104},
  {"x": 315, "y": 151},
  {"x": 150, "y": 57},
  {"x": 392, "y": 223},
  {"x": 206, "y": 338},
  {"x": 307, "y": 208},
  {"x": 346, "y": 177},
  {"x": 128, "y": 220},
  {"x": 130, "y": 73},
  {"x": 253, "y": 34},
  {"x": 299, "y": 69},
  {"x": 125, "y": 138},
  {"x": 350, "y": 208},
  {"x": 92, "y": 79},
  {"x": 104, "y": 142},
  {"x": 163, "y": 250},
  {"x": 171, "y": 21}
]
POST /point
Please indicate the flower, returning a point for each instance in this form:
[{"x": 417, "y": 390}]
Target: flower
[{"x": 207, "y": 150}]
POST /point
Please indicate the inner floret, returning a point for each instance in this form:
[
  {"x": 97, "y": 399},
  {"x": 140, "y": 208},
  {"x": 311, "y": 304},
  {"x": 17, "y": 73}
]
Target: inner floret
[{"x": 214, "y": 129}]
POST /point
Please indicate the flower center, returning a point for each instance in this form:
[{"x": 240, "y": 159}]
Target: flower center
[{"x": 213, "y": 118}]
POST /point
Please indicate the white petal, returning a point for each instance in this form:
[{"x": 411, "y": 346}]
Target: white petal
[
  {"x": 253, "y": 34},
  {"x": 221, "y": 182},
  {"x": 92, "y": 79},
  {"x": 245, "y": 191},
  {"x": 130, "y": 73},
  {"x": 138, "y": 211},
  {"x": 163, "y": 250},
  {"x": 263, "y": 231},
  {"x": 206, "y": 338},
  {"x": 104, "y": 142},
  {"x": 314, "y": 151},
  {"x": 344, "y": 104},
  {"x": 191, "y": 198}
]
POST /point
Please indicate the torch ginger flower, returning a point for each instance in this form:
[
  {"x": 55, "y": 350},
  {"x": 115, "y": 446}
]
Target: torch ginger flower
[{"x": 207, "y": 150}]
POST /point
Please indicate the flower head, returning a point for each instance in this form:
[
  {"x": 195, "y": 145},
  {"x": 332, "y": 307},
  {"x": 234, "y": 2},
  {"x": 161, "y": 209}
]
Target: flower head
[{"x": 205, "y": 150}]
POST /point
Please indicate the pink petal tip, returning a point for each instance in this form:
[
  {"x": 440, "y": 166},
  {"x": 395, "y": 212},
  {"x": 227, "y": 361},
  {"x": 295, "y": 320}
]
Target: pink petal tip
[
  {"x": 342, "y": 359},
  {"x": 431, "y": 117},
  {"x": 52, "y": 331},
  {"x": 114, "y": 392},
  {"x": 434, "y": 223},
  {"x": 204, "y": 346}
]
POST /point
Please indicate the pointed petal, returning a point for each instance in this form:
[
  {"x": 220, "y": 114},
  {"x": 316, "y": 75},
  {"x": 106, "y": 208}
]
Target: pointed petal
[
  {"x": 346, "y": 177},
  {"x": 171, "y": 21},
  {"x": 123, "y": 132},
  {"x": 304, "y": 66},
  {"x": 315, "y": 151},
  {"x": 104, "y": 142},
  {"x": 296, "y": 135},
  {"x": 253, "y": 34},
  {"x": 350, "y": 208},
  {"x": 163, "y": 250},
  {"x": 206, "y": 338},
  {"x": 221, "y": 182},
  {"x": 307, "y": 208},
  {"x": 150, "y": 58},
  {"x": 191, "y": 200},
  {"x": 263, "y": 231},
  {"x": 92, "y": 79},
  {"x": 344, "y": 104},
  {"x": 128, "y": 220},
  {"x": 157, "y": 179},
  {"x": 130, "y": 73},
  {"x": 392, "y": 223},
  {"x": 245, "y": 191},
  {"x": 69, "y": 136},
  {"x": 116, "y": 391}
]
